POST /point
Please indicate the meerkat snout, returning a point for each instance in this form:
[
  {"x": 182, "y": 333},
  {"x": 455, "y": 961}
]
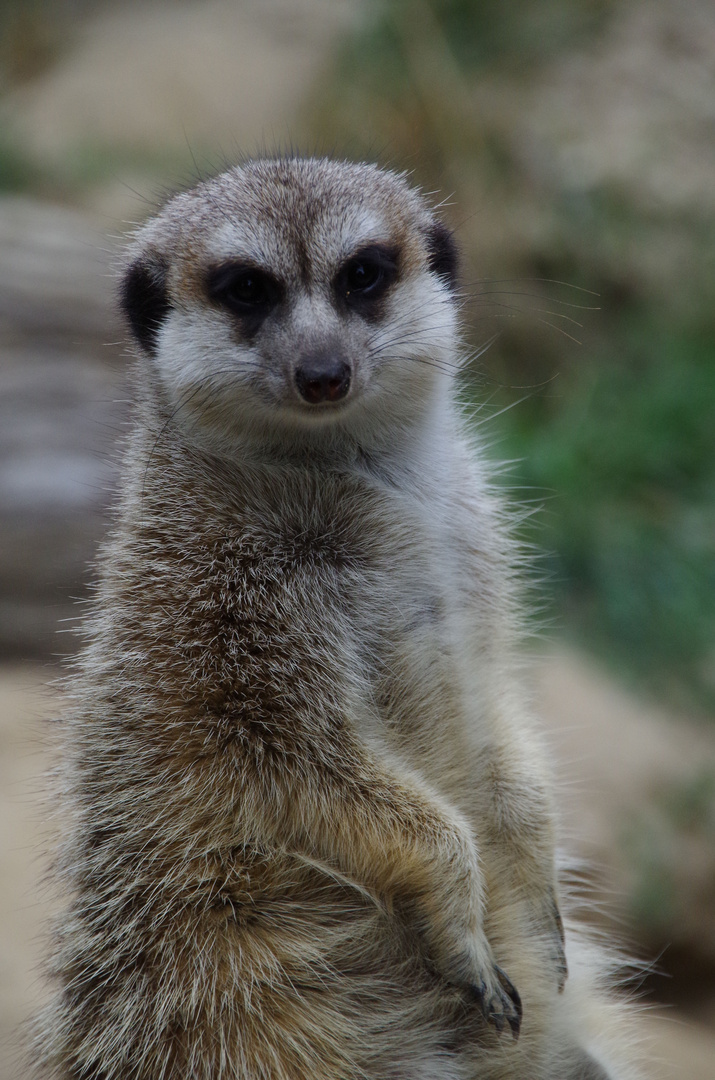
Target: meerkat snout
[{"x": 323, "y": 376}]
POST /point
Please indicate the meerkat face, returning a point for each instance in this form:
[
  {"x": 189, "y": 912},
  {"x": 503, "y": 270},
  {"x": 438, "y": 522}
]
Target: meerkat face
[{"x": 294, "y": 296}]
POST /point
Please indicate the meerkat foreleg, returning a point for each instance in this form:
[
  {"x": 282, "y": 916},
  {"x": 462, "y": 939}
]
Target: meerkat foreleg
[{"x": 379, "y": 830}]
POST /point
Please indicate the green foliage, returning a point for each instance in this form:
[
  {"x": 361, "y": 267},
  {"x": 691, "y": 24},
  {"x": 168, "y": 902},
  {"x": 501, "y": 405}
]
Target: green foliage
[
  {"x": 18, "y": 172},
  {"x": 488, "y": 32},
  {"x": 627, "y": 447}
]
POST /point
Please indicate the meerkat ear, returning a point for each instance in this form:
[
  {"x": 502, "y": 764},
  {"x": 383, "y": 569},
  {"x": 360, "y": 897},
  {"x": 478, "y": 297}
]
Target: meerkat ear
[
  {"x": 144, "y": 299},
  {"x": 443, "y": 254}
]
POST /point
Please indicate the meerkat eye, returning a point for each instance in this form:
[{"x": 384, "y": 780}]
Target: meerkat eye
[
  {"x": 366, "y": 276},
  {"x": 363, "y": 276},
  {"x": 244, "y": 290}
]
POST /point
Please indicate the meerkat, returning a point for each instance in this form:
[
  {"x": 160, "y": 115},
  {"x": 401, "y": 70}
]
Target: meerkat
[{"x": 310, "y": 825}]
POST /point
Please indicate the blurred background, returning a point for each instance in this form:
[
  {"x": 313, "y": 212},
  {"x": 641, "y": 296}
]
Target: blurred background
[{"x": 571, "y": 144}]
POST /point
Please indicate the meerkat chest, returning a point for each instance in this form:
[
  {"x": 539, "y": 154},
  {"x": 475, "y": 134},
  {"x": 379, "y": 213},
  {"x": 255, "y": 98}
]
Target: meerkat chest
[
  {"x": 422, "y": 635},
  {"x": 348, "y": 589}
]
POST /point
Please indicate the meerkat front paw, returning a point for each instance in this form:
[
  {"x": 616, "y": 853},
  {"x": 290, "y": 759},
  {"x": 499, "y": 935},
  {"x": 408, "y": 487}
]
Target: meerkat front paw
[
  {"x": 476, "y": 972},
  {"x": 499, "y": 1002},
  {"x": 495, "y": 993}
]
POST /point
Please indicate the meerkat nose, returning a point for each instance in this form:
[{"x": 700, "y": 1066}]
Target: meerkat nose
[{"x": 322, "y": 378}]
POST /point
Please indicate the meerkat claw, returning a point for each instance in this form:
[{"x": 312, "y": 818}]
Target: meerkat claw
[
  {"x": 513, "y": 1010},
  {"x": 562, "y": 969},
  {"x": 502, "y": 1006}
]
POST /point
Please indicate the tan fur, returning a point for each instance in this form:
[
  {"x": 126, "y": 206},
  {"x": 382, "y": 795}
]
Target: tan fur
[{"x": 309, "y": 810}]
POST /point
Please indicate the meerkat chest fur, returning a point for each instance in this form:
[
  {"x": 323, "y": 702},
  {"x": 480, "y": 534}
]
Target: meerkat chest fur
[{"x": 363, "y": 582}]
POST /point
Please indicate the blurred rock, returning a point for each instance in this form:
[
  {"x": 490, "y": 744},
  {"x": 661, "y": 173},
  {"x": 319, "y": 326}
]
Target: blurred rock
[{"x": 62, "y": 405}]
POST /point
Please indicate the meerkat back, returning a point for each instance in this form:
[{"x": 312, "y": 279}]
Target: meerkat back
[{"x": 310, "y": 830}]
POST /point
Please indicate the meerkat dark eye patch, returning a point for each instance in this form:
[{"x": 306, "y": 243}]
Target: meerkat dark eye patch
[
  {"x": 365, "y": 277},
  {"x": 244, "y": 290},
  {"x": 144, "y": 299},
  {"x": 442, "y": 254}
]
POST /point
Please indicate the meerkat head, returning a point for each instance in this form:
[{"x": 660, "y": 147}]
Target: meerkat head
[{"x": 294, "y": 297}]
